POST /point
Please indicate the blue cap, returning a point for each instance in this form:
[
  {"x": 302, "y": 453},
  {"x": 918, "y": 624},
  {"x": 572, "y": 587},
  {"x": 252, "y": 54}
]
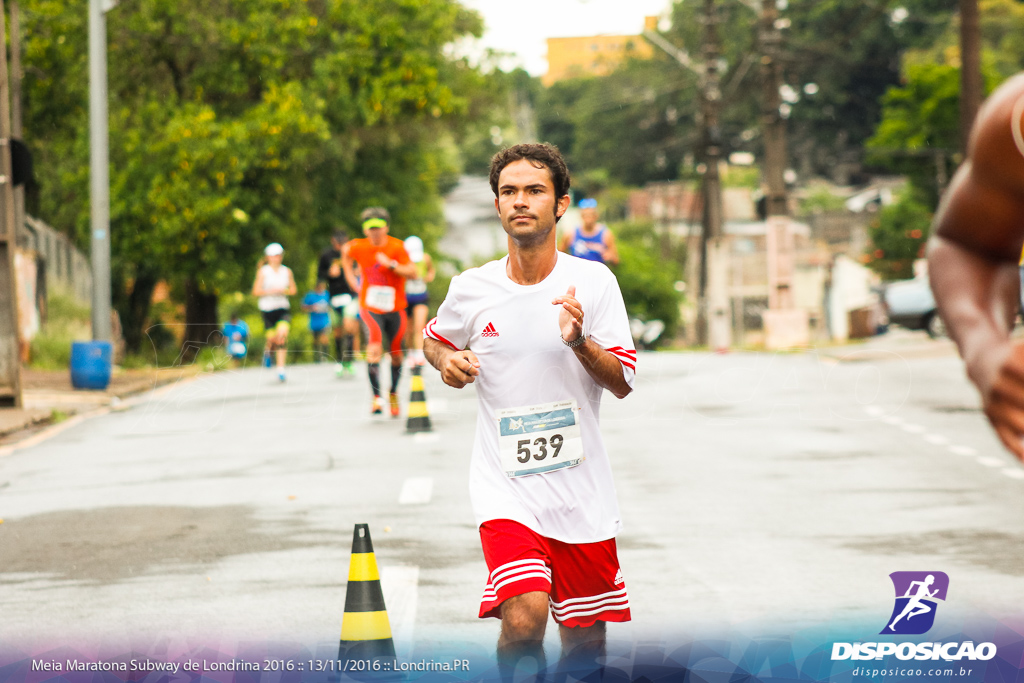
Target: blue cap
[{"x": 588, "y": 203}]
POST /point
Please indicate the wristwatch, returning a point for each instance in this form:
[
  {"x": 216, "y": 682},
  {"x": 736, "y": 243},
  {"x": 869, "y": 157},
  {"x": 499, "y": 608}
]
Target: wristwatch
[{"x": 578, "y": 341}]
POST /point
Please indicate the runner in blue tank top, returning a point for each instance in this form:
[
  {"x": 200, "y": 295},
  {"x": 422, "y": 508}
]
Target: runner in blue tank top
[{"x": 592, "y": 241}]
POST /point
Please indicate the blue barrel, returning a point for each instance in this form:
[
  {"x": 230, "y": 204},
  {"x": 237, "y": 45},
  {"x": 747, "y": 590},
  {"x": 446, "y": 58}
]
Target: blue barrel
[{"x": 90, "y": 364}]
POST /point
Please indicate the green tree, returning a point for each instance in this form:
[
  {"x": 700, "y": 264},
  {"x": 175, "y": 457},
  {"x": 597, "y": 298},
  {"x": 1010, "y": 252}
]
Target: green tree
[
  {"x": 243, "y": 121},
  {"x": 898, "y": 236}
]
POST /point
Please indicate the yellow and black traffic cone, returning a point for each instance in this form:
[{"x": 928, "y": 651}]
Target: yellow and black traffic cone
[
  {"x": 419, "y": 418},
  {"x": 365, "y": 629}
]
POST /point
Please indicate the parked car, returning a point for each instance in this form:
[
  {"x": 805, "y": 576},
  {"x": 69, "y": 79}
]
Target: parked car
[{"x": 910, "y": 303}]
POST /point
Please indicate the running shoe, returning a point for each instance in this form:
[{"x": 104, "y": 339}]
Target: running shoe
[
  {"x": 280, "y": 375},
  {"x": 350, "y": 370},
  {"x": 339, "y": 369},
  {"x": 266, "y": 359},
  {"x": 394, "y": 405},
  {"x": 378, "y": 406}
]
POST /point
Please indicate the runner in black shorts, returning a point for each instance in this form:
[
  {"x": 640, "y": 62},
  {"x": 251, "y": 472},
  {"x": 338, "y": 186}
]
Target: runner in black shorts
[{"x": 344, "y": 303}]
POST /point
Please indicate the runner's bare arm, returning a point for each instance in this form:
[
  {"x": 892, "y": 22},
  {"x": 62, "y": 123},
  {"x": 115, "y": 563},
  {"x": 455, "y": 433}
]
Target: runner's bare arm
[
  {"x": 346, "y": 266},
  {"x": 257, "y": 284},
  {"x": 603, "y": 367},
  {"x": 406, "y": 270},
  {"x": 458, "y": 368},
  {"x": 611, "y": 251},
  {"x": 973, "y": 255}
]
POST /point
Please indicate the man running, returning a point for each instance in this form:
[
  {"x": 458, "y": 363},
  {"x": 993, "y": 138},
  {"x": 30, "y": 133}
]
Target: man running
[
  {"x": 593, "y": 241},
  {"x": 344, "y": 303},
  {"x": 273, "y": 285},
  {"x": 917, "y": 591},
  {"x": 973, "y": 255},
  {"x": 541, "y": 334},
  {"x": 384, "y": 265}
]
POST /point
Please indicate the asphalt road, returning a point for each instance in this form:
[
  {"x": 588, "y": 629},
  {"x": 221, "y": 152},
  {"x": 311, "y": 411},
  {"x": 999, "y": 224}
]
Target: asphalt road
[{"x": 762, "y": 492}]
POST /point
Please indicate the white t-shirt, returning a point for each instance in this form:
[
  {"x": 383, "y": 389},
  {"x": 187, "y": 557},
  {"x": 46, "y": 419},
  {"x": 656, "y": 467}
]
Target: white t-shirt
[
  {"x": 513, "y": 330},
  {"x": 274, "y": 280}
]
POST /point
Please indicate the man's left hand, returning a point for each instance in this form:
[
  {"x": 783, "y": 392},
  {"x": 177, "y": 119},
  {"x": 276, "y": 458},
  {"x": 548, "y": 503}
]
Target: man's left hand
[{"x": 570, "y": 318}]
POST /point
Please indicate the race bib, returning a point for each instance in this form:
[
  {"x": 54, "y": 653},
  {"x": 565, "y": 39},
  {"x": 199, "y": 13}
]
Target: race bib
[
  {"x": 415, "y": 287},
  {"x": 341, "y": 300},
  {"x": 380, "y": 298},
  {"x": 539, "y": 439}
]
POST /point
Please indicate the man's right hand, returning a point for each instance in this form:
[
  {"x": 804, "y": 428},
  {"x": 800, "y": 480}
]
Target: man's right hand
[
  {"x": 1001, "y": 383},
  {"x": 459, "y": 368}
]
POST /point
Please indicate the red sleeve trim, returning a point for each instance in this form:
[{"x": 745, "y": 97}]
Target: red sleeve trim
[{"x": 434, "y": 335}]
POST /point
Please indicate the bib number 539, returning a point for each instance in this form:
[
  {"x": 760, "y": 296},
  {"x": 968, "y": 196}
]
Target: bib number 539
[{"x": 541, "y": 444}]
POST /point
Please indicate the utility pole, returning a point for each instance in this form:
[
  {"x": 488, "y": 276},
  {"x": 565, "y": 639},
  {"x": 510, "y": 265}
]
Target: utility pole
[
  {"x": 16, "y": 119},
  {"x": 970, "y": 68},
  {"x": 99, "y": 172},
  {"x": 714, "y": 326},
  {"x": 785, "y": 325},
  {"x": 773, "y": 126},
  {"x": 715, "y": 262},
  {"x": 10, "y": 356}
]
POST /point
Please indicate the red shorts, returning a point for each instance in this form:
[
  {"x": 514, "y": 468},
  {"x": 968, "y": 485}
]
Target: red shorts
[{"x": 583, "y": 581}]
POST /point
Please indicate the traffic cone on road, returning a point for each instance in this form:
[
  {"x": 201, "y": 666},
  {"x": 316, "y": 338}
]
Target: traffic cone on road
[
  {"x": 365, "y": 629},
  {"x": 419, "y": 418}
]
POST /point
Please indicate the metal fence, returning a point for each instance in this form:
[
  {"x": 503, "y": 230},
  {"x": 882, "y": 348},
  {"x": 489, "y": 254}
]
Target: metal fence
[{"x": 62, "y": 267}]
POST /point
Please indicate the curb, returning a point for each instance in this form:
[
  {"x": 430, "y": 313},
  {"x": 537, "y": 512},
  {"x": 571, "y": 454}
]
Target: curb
[{"x": 29, "y": 438}]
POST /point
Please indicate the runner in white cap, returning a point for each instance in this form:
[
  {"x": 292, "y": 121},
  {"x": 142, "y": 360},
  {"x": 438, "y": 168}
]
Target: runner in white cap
[
  {"x": 541, "y": 335},
  {"x": 274, "y": 284},
  {"x": 416, "y": 296}
]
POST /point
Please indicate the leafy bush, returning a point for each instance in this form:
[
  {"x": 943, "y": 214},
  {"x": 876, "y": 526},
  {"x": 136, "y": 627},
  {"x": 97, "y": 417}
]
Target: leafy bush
[
  {"x": 898, "y": 236},
  {"x": 647, "y": 278}
]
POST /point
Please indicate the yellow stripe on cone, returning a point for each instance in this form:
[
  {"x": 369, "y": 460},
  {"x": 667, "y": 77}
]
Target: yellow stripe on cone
[
  {"x": 416, "y": 382},
  {"x": 418, "y": 409},
  {"x": 365, "y": 626},
  {"x": 363, "y": 567}
]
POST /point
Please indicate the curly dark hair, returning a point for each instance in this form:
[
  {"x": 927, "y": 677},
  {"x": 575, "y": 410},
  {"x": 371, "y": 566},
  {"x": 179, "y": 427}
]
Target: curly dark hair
[{"x": 540, "y": 155}]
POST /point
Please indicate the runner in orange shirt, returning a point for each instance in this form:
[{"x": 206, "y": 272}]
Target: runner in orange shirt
[{"x": 384, "y": 265}]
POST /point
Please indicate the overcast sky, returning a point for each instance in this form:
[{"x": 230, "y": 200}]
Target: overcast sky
[{"x": 523, "y": 26}]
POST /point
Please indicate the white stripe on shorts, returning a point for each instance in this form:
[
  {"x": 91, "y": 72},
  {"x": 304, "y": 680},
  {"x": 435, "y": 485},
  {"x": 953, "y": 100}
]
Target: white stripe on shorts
[{"x": 579, "y": 607}]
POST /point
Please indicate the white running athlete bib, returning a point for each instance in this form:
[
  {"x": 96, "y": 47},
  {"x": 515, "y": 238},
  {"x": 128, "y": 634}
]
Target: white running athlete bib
[
  {"x": 415, "y": 287},
  {"x": 381, "y": 298},
  {"x": 341, "y": 300},
  {"x": 539, "y": 439}
]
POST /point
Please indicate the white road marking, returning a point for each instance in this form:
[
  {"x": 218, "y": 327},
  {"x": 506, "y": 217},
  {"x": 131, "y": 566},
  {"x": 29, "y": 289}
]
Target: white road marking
[
  {"x": 426, "y": 437},
  {"x": 416, "y": 491},
  {"x": 400, "y": 587},
  {"x": 989, "y": 461},
  {"x": 1013, "y": 472},
  {"x": 936, "y": 439},
  {"x": 892, "y": 420},
  {"x": 963, "y": 450},
  {"x": 913, "y": 429},
  {"x": 874, "y": 411}
]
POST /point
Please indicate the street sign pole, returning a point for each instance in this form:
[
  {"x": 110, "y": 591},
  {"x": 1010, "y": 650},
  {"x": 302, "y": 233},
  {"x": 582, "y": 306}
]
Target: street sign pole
[{"x": 99, "y": 172}]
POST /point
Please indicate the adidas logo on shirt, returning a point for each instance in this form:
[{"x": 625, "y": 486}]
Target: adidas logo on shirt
[
  {"x": 489, "y": 331},
  {"x": 618, "y": 578}
]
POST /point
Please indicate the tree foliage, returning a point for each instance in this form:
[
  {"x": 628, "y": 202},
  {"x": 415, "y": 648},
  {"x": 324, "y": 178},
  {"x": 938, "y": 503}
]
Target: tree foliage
[
  {"x": 898, "y": 236},
  {"x": 238, "y": 122}
]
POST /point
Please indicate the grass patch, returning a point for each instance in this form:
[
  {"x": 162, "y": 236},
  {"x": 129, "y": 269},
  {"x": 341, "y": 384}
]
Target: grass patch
[{"x": 67, "y": 321}]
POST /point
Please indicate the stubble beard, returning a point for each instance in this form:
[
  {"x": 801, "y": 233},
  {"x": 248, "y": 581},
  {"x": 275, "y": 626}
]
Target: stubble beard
[{"x": 528, "y": 237}]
